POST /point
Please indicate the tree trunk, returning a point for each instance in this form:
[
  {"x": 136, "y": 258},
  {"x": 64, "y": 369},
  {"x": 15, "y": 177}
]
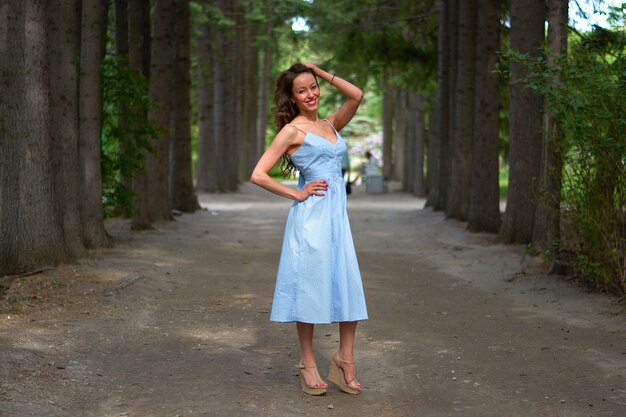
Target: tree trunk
[
  {"x": 63, "y": 41},
  {"x": 31, "y": 232},
  {"x": 388, "y": 111},
  {"x": 93, "y": 29},
  {"x": 139, "y": 35},
  {"x": 457, "y": 205},
  {"x": 265, "y": 83},
  {"x": 484, "y": 211},
  {"x": 206, "y": 172},
  {"x": 181, "y": 182},
  {"x": 400, "y": 122},
  {"x": 219, "y": 108},
  {"x": 447, "y": 116},
  {"x": 410, "y": 155},
  {"x": 416, "y": 109},
  {"x": 546, "y": 234},
  {"x": 432, "y": 160},
  {"x": 139, "y": 58},
  {"x": 153, "y": 202},
  {"x": 525, "y": 124},
  {"x": 249, "y": 136},
  {"x": 234, "y": 97}
]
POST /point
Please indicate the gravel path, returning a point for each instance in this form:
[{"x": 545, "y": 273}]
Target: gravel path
[{"x": 174, "y": 322}]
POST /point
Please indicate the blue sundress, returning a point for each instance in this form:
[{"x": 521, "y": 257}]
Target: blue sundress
[{"x": 318, "y": 278}]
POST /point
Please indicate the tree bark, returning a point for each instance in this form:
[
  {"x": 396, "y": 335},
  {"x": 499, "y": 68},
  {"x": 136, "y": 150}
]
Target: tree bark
[
  {"x": 433, "y": 152},
  {"x": 234, "y": 97},
  {"x": 457, "y": 205},
  {"x": 31, "y": 232},
  {"x": 484, "y": 210},
  {"x": 416, "y": 109},
  {"x": 63, "y": 41},
  {"x": 93, "y": 29},
  {"x": 206, "y": 172},
  {"x": 153, "y": 202},
  {"x": 138, "y": 14},
  {"x": 433, "y": 160},
  {"x": 388, "y": 111},
  {"x": 219, "y": 108},
  {"x": 447, "y": 116},
  {"x": 525, "y": 124},
  {"x": 181, "y": 182},
  {"x": 410, "y": 155},
  {"x": 249, "y": 154},
  {"x": 265, "y": 82},
  {"x": 400, "y": 134},
  {"x": 546, "y": 233}
]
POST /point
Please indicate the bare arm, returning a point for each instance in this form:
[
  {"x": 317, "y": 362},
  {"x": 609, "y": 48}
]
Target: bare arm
[
  {"x": 354, "y": 96},
  {"x": 286, "y": 139}
]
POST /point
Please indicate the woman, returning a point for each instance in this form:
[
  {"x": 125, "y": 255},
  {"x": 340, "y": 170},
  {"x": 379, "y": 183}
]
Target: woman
[{"x": 318, "y": 280}]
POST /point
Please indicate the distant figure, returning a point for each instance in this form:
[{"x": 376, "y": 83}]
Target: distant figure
[
  {"x": 368, "y": 168},
  {"x": 318, "y": 279},
  {"x": 345, "y": 168}
]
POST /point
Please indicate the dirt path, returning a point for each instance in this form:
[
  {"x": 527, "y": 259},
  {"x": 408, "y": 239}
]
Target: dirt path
[{"x": 174, "y": 322}]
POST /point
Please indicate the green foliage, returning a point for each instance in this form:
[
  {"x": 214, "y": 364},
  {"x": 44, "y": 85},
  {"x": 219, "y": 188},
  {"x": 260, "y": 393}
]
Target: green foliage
[
  {"x": 587, "y": 94},
  {"x": 374, "y": 38},
  {"x": 126, "y": 133}
]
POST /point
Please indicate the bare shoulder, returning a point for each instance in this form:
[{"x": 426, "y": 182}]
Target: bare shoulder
[{"x": 289, "y": 136}]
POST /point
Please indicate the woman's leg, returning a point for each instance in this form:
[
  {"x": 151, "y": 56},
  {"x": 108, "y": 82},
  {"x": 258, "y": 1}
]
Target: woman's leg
[
  {"x": 311, "y": 376},
  {"x": 347, "y": 333}
]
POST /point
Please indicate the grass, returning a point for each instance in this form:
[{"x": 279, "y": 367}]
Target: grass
[{"x": 504, "y": 181}]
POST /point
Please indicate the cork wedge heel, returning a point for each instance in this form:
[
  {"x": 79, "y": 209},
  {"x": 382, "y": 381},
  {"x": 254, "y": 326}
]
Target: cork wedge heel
[
  {"x": 317, "y": 389},
  {"x": 337, "y": 377}
]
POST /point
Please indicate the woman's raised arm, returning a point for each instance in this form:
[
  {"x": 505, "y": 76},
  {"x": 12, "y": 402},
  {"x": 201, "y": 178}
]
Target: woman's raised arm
[{"x": 354, "y": 96}]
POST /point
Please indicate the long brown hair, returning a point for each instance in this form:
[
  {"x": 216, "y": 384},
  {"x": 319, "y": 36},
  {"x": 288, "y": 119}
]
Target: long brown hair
[{"x": 284, "y": 109}]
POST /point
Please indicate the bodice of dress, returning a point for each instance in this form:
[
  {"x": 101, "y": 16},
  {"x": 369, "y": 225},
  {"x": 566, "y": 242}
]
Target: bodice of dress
[{"x": 318, "y": 158}]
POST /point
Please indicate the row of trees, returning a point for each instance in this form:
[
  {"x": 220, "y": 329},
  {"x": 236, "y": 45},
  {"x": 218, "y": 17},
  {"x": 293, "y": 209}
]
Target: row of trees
[
  {"x": 550, "y": 187},
  {"x": 81, "y": 127},
  {"x": 101, "y": 101},
  {"x": 470, "y": 87}
]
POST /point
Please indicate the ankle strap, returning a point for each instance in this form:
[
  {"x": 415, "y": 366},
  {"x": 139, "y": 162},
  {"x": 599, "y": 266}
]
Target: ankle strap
[
  {"x": 303, "y": 366},
  {"x": 340, "y": 359}
]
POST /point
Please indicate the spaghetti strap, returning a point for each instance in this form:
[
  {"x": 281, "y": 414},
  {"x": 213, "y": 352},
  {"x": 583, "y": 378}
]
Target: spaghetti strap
[
  {"x": 291, "y": 124},
  {"x": 331, "y": 125}
]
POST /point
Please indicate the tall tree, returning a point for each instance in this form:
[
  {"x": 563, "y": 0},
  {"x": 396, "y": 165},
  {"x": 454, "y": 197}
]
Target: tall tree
[
  {"x": 138, "y": 16},
  {"x": 207, "y": 174},
  {"x": 93, "y": 29},
  {"x": 388, "y": 112},
  {"x": 181, "y": 181},
  {"x": 416, "y": 113},
  {"x": 153, "y": 200},
  {"x": 63, "y": 43},
  {"x": 525, "y": 125},
  {"x": 447, "y": 89},
  {"x": 447, "y": 147},
  {"x": 400, "y": 134},
  {"x": 265, "y": 76},
  {"x": 457, "y": 205},
  {"x": 546, "y": 232},
  {"x": 432, "y": 159},
  {"x": 484, "y": 210},
  {"x": 31, "y": 235}
]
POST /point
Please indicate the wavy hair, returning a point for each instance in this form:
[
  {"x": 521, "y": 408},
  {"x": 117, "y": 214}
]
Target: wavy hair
[{"x": 284, "y": 109}]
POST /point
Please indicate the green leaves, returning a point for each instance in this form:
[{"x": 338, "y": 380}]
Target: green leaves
[{"x": 126, "y": 133}]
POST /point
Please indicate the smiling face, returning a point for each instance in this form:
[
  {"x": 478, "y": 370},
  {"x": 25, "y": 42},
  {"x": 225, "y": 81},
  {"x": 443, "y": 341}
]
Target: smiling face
[{"x": 306, "y": 92}]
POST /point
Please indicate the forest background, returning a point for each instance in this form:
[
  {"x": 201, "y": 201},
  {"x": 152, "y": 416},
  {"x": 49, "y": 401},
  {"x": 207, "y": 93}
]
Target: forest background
[{"x": 128, "y": 108}]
